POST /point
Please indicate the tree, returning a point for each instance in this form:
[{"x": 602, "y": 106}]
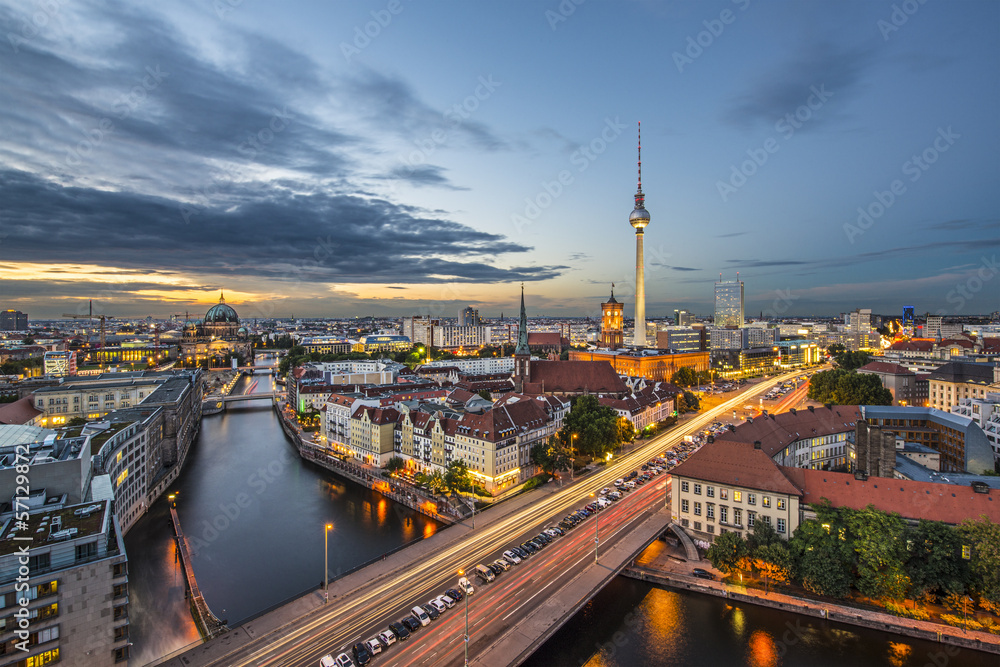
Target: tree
[
  {"x": 852, "y": 360},
  {"x": 679, "y": 404},
  {"x": 551, "y": 457},
  {"x": 395, "y": 464},
  {"x": 861, "y": 389},
  {"x": 774, "y": 561},
  {"x": 935, "y": 565},
  {"x": 684, "y": 377},
  {"x": 457, "y": 476},
  {"x": 691, "y": 402},
  {"x": 823, "y": 558},
  {"x": 982, "y": 536},
  {"x": 727, "y": 552},
  {"x": 763, "y": 535},
  {"x": 823, "y": 384},
  {"x": 879, "y": 542},
  {"x": 835, "y": 349},
  {"x": 593, "y": 429},
  {"x": 28, "y": 340}
]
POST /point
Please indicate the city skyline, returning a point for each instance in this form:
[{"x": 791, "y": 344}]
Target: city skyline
[{"x": 393, "y": 158}]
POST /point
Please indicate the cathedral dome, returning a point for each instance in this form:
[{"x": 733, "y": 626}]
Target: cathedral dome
[{"x": 221, "y": 313}]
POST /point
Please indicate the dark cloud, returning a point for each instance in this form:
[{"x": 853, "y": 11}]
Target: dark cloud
[
  {"x": 278, "y": 234},
  {"x": 681, "y": 268},
  {"x": 579, "y": 257},
  {"x": 761, "y": 263},
  {"x": 963, "y": 224},
  {"x": 731, "y": 235},
  {"x": 422, "y": 176},
  {"x": 787, "y": 87}
]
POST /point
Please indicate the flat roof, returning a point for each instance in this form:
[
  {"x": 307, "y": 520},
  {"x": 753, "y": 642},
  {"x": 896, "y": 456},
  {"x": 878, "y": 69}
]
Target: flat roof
[{"x": 39, "y": 526}]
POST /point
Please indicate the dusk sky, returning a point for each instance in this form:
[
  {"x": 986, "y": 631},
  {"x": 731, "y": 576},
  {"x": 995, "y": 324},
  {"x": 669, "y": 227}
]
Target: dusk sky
[{"x": 399, "y": 157}]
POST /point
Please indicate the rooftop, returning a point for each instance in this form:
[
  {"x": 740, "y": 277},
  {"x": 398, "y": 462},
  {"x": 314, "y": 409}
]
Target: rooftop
[
  {"x": 47, "y": 527},
  {"x": 776, "y": 432}
]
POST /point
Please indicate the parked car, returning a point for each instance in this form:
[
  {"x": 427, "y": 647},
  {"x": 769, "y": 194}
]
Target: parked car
[
  {"x": 529, "y": 547},
  {"x": 557, "y": 530},
  {"x": 344, "y": 660},
  {"x": 431, "y": 611},
  {"x": 455, "y": 594},
  {"x": 702, "y": 573},
  {"x": 606, "y": 490},
  {"x": 502, "y": 564},
  {"x": 401, "y": 632},
  {"x": 566, "y": 524},
  {"x": 439, "y": 605},
  {"x": 447, "y": 600},
  {"x": 496, "y": 569},
  {"x": 361, "y": 654},
  {"x": 619, "y": 482},
  {"x": 374, "y": 646},
  {"x": 411, "y": 624},
  {"x": 485, "y": 574},
  {"x": 386, "y": 638},
  {"x": 511, "y": 557},
  {"x": 327, "y": 661},
  {"x": 466, "y": 586},
  {"x": 520, "y": 552}
]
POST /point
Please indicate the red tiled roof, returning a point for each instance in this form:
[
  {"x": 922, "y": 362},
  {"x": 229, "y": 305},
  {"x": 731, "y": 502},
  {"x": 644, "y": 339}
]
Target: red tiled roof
[
  {"x": 594, "y": 377},
  {"x": 961, "y": 342},
  {"x": 19, "y": 412},
  {"x": 886, "y": 368},
  {"x": 991, "y": 345},
  {"x": 949, "y": 503},
  {"x": 546, "y": 339},
  {"x": 775, "y": 432},
  {"x": 913, "y": 345},
  {"x": 738, "y": 464}
]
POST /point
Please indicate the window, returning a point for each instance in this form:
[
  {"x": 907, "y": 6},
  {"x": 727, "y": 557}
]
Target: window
[
  {"x": 737, "y": 516},
  {"x": 710, "y": 528},
  {"x": 697, "y": 489},
  {"x": 684, "y": 487},
  {"x": 121, "y": 590},
  {"x": 121, "y": 654},
  {"x": 710, "y": 491},
  {"x": 737, "y": 496},
  {"x": 723, "y": 514},
  {"x": 48, "y": 634},
  {"x": 684, "y": 506},
  {"x": 684, "y": 522},
  {"x": 697, "y": 525},
  {"x": 39, "y": 562},
  {"x": 750, "y": 519},
  {"x": 781, "y": 503},
  {"x": 121, "y": 633},
  {"x": 765, "y": 501},
  {"x": 697, "y": 509},
  {"x": 781, "y": 525},
  {"x": 723, "y": 494},
  {"x": 766, "y": 519},
  {"x": 710, "y": 510},
  {"x": 119, "y": 570},
  {"x": 752, "y": 498},
  {"x": 121, "y": 612}
]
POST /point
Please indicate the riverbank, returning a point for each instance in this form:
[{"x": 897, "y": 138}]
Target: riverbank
[{"x": 668, "y": 568}]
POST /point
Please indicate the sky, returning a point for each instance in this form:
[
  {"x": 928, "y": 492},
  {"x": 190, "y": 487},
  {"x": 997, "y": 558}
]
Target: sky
[{"x": 398, "y": 157}]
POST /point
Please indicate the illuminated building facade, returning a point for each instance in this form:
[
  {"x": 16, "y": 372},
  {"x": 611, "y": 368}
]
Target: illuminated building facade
[
  {"x": 729, "y": 303},
  {"x": 612, "y": 322},
  {"x": 219, "y": 334}
]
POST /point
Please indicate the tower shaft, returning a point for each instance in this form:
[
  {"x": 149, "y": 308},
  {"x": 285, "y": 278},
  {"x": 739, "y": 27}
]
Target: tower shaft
[{"x": 639, "y": 339}]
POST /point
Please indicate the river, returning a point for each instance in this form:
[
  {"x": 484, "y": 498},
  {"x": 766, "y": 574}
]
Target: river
[{"x": 254, "y": 513}]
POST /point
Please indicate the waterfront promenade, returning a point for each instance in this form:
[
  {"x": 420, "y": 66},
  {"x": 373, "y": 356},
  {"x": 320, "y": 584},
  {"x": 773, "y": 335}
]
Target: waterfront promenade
[
  {"x": 665, "y": 565},
  {"x": 208, "y": 623}
]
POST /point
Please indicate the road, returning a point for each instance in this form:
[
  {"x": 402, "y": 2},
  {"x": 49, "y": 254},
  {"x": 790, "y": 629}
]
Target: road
[{"x": 389, "y": 596}]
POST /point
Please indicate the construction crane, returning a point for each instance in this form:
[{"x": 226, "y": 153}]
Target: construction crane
[{"x": 91, "y": 317}]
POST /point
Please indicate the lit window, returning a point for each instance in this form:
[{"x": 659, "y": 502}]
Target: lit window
[{"x": 737, "y": 496}]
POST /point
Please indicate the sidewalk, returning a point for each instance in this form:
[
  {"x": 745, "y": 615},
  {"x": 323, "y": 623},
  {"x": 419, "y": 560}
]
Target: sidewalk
[{"x": 669, "y": 567}]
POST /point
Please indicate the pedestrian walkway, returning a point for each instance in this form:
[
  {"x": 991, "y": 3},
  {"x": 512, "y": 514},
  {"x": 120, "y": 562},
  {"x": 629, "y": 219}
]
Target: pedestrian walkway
[
  {"x": 689, "y": 548},
  {"x": 669, "y": 569}
]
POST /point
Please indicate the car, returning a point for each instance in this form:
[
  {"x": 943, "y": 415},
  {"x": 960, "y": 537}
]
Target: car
[
  {"x": 529, "y": 547},
  {"x": 386, "y": 638},
  {"x": 645, "y": 466},
  {"x": 422, "y": 616},
  {"x": 497, "y": 569},
  {"x": 455, "y": 594},
  {"x": 374, "y": 646},
  {"x": 344, "y": 660},
  {"x": 361, "y": 653},
  {"x": 411, "y": 624},
  {"x": 485, "y": 574},
  {"x": 439, "y": 606},
  {"x": 502, "y": 564},
  {"x": 616, "y": 495},
  {"x": 566, "y": 524},
  {"x": 511, "y": 557},
  {"x": 431, "y": 611},
  {"x": 519, "y": 552},
  {"x": 446, "y": 600},
  {"x": 466, "y": 586},
  {"x": 619, "y": 482},
  {"x": 327, "y": 661},
  {"x": 702, "y": 573},
  {"x": 401, "y": 632},
  {"x": 544, "y": 537},
  {"x": 606, "y": 490},
  {"x": 630, "y": 485}
]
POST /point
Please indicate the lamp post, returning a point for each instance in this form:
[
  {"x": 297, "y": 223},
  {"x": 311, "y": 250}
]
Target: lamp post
[
  {"x": 326, "y": 567},
  {"x": 462, "y": 574},
  {"x": 597, "y": 536}
]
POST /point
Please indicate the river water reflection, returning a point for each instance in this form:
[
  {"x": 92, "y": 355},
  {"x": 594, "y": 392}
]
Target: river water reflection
[{"x": 254, "y": 514}]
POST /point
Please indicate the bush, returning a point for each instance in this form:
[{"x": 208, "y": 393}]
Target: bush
[
  {"x": 957, "y": 621},
  {"x": 902, "y": 610},
  {"x": 989, "y": 625},
  {"x": 532, "y": 483}
]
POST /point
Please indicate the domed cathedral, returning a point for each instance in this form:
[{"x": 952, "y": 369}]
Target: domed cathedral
[{"x": 216, "y": 336}]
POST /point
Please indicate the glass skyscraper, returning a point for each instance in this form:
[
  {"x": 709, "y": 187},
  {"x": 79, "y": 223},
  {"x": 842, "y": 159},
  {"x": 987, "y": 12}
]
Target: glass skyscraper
[{"x": 729, "y": 303}]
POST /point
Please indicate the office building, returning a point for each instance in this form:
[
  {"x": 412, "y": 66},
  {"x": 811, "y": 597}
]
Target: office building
[
  {"x": 59, "y": 364},
  {"x": 908, "y": 317},
  {"x": 469, "y": 317},
  {"x": 13, "y": 320},
  {"x": 683, "y": 318},
  {"x": 729, "y": 303}
]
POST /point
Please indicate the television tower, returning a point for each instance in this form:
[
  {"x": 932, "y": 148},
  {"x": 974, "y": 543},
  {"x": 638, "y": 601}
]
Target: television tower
[{"x": 639, "y": 218}]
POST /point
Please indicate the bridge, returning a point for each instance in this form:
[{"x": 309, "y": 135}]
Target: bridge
[
  {"x": 215, "y": 404},
  {"x": 507, "y": 619}
]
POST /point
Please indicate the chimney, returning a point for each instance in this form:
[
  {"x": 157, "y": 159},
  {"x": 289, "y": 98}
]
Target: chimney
[
  {"x": 861, "y": 475},
  {"x": 756, "y": 444},
  {"x": 792, "y": 410},
  {"x": 812, "y": 409}
]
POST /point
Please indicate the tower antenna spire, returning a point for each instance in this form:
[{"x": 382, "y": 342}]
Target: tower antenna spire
[{"x": 640, "y": 156}]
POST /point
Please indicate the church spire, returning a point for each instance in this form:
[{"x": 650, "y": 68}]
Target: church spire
[{"x": 522, "y": 331}]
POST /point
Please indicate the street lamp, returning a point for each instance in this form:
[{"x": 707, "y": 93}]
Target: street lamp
[
  {"x": 462, "y": 574},
  {"x": 597, "y": 537},
  {"x": 326, "y": 566}
]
